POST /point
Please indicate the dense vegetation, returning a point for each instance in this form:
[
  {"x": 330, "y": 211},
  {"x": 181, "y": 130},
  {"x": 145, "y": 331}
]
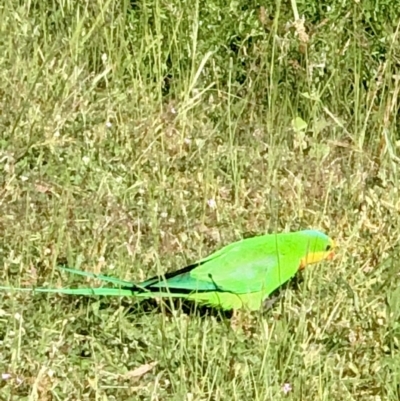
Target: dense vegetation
[{"x": 139, "y": 136}]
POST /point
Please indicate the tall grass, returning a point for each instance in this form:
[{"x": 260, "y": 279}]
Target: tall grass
[{"x": 139, "y": 136}]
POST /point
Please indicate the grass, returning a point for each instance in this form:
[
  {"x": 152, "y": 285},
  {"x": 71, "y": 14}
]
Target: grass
[{"x": 139, "y": 137}]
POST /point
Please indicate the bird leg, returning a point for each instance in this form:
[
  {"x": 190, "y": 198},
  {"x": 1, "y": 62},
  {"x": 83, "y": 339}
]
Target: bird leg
[{"x": 269, "y": 302}]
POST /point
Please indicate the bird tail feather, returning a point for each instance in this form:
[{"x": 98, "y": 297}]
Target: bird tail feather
[
  {"x": 102, "y": 277},
  {"x": 127, "y": 290},
  {"x": 75, "y": 291}
]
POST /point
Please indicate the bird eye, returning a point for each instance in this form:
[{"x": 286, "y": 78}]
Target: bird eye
[{"x": 328, "y": 248}]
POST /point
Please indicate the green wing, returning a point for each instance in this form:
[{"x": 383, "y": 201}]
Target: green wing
[{"x": 251, "y": 265}]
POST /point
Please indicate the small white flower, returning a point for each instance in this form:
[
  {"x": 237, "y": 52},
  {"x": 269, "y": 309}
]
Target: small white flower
[
  {"x": 286, "y": 388},
  {"x": 104, "y": 57},
  {"x": 164, "y": 215},
  {"x": 86, "y": 160},
  {"x": 6, "y": 376},
  {"x": 211, "y": 203},
  {"x": 108, "y": 124},
  {"x": 23, "y": 178},
  {"x": 17, "y": 316}
]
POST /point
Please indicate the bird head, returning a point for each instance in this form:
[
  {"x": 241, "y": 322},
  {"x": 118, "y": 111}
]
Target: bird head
[{"x": 318, "y": 247}]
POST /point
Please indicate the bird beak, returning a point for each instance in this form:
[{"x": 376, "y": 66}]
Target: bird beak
[{"x": 331, "y": 254}]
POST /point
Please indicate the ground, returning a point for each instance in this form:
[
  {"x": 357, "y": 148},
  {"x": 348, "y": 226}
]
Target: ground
[{"x": 138, "y": 137}]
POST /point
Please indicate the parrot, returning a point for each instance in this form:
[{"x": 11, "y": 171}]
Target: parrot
[{"x": 240, "y": 275}]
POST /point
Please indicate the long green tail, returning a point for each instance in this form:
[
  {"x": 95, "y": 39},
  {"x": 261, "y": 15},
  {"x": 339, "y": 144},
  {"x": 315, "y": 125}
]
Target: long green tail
[
  {"x": 102, "y": 291},
  {"x": 76, "y": 291},
  {"x": 102, "y": 277}
]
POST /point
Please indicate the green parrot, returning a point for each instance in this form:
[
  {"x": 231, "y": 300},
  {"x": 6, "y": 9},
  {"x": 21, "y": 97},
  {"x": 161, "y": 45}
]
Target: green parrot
[{"x": 240, "y": 275}]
